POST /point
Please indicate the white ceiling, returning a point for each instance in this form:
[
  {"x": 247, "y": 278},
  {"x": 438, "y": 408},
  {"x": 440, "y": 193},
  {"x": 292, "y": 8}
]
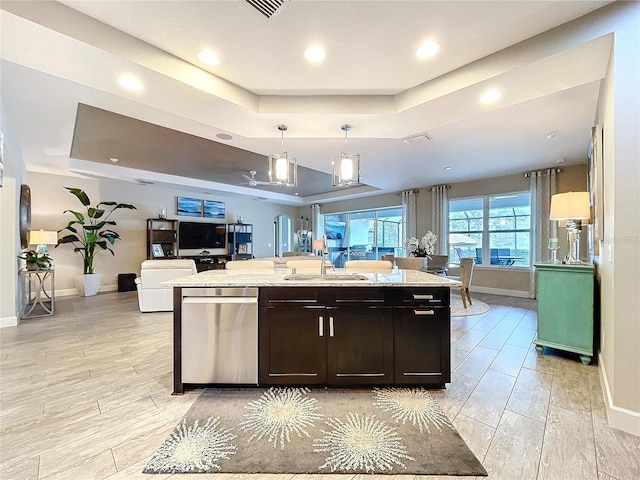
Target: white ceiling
[{"x": 56, "y": 55}]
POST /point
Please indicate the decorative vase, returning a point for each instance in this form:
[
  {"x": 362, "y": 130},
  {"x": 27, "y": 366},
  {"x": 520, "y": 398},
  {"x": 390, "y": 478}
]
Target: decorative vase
[{"x": 88, "y": 284}]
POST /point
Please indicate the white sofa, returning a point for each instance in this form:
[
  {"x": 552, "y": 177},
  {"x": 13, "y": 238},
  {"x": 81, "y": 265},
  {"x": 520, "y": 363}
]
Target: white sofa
[{"x": 152, "y": 295}]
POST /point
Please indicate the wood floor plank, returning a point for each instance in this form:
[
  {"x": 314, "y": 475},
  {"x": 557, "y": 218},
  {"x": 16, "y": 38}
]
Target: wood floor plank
[
  {"x": 477, "y": 362},
  {"x": 568, "y": 451},
  {"x": 516, "y": 437},
  {"x": 487, "y": 402},
  {"x": 509, "y": 360},
  {"x": 477, "y": 435},
  {"x": 94, "y": 468},
  {"x": 618, "y": 452},
  {"x": 25, "y": 469},
  {"x": 530, "y": 395}
]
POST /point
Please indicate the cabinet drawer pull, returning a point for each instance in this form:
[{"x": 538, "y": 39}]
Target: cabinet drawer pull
[
  {"x": 321, "y": 326},
  {"x": 417, "y": 296},
  {"x": 424, "y": 312},
  {"x": 331, "y": 326}
]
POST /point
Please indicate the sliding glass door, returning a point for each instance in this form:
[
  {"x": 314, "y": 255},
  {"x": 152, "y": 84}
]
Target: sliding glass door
[{"x": 363, "y": 235}]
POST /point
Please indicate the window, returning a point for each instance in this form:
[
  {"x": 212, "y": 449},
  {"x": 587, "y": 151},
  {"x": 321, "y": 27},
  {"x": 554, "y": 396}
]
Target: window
[
  {"x": 495, "y": 230},
  {"x": 366, "y": 234}
]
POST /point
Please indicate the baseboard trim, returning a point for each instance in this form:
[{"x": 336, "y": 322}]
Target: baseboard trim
[
  {"x": 69, "y": 292},
  {"x": 617, "y": 417},
  {"x": 499, "y": 291},
  {"x": 8, "y": 322}
]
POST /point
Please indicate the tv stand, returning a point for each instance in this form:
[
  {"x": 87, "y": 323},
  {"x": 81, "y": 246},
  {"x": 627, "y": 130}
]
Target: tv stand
[{"x": 209, "y": 262}]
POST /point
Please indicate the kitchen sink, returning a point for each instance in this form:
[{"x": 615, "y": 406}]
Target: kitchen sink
[{"x": 329, "y": 277}]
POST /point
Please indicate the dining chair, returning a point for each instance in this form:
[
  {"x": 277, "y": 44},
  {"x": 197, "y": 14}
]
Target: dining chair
[
  {"x": 389, "y": 257},
  {"x": 306, "y": 266},
  {"x": 250, "y": 265},
  {"x": 364, "y": 266},
  {"x": 437, "y": 263},
  {"x": 410, "y": 263},
  {"x": 466, "y": 272}
]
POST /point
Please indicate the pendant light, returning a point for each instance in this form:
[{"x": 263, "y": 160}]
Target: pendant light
[
  {"x": 283, "y": 169},
  {"x": 346, "y": 168}
]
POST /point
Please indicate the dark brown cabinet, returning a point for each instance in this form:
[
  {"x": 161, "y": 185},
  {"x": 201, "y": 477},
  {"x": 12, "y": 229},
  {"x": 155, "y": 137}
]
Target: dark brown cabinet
[
  {"x": 419, "y": 334},
  {"x": 354, "y": 336},
  {"x": 292, "y": 347},
  {"x": 304, "y": 338},
  {"x": 359, "y": 345},
  {"x": 422, "y": 336}
]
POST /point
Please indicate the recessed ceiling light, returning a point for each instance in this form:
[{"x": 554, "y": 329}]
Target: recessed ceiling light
[
  {"x": 491, "y": 96},
  {"x": 130, "y": 82},
  {"x": 208, "y": 57},
  {"x": 447, "y": 168},
  {"x": 560, "y": 161},
  {"x": 428, "y": 49},
  {"x": 314, "y": 54},
  {"x": 224, "y": 136},
  {"x": 551, "y": 135}
]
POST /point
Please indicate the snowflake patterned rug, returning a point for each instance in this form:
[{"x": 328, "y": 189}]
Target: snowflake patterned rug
[{"x": 299, "y": 430}]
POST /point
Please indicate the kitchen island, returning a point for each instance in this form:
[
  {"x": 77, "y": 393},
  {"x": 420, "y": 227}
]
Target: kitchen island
[{"x": 337, "y": 329}]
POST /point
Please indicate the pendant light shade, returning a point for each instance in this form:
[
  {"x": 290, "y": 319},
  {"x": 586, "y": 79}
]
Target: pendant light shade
[
  {"x": 283, "y": 169},
  {"x": 346, "y": 168}
]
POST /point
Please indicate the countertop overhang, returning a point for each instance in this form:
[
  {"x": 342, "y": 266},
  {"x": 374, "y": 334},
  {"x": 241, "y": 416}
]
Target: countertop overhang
[{"x": 256, "y": 278}]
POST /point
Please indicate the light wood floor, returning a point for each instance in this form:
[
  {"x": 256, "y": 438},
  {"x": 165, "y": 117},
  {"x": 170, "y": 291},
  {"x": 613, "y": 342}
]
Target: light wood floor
[{"x": 85, "y": 394}]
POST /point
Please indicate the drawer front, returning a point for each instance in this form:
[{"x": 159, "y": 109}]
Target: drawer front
[
  {"x": 423, "y": 296},
  {"x": 283, "y": 296},
  {"x": 357, "y": 296}
]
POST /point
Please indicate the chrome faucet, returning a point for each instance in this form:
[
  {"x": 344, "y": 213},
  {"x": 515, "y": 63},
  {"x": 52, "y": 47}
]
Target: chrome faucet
[{"x": 323, "y": 252}]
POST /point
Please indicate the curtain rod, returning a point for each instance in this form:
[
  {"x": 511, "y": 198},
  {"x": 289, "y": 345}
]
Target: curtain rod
[
  {"x": 544, "y": 172},
  {"x": 447, "y": 187}
]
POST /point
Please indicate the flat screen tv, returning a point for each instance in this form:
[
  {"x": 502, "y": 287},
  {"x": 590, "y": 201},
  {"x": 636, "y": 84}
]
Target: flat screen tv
[{"x": 201, "y": 235}]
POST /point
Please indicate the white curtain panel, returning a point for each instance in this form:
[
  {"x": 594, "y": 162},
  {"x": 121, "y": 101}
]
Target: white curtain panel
[
  {"x": 542, "y": 187},
  {"x": 440, "y": 218},
  {"x": 409, "y": 213},
  {"x": 317, "y": 225}
]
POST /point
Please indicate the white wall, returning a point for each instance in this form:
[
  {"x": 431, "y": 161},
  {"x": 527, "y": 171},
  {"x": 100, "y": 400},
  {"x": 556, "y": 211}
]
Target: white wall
[
  {"x": 50, "y": 199},
  {"x": 9, "y": 243},
  {"x": 618, "y": 265}
]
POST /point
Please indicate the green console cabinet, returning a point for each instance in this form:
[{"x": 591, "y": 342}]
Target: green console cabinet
[{"x": 565, "y": 308}]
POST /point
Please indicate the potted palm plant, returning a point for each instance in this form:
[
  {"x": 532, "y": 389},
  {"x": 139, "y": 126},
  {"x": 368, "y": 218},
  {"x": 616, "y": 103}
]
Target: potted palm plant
[{"x": 89, "y": 233}]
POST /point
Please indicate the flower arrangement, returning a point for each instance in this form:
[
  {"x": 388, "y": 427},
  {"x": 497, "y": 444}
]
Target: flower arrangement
[
  {"x": 36, "y": 260},
  {"x": 423, "y": 247}
]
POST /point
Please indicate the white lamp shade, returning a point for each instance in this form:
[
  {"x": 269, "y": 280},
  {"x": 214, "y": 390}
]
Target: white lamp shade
[
  {"x": 570, "y": 205},
  {"x": 43, "y": 237}
]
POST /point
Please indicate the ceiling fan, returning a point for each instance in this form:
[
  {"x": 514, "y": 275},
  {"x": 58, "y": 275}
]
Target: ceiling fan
[{"x": 251, "y": 180}]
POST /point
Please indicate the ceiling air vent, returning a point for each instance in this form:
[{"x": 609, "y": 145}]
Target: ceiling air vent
[
  {"x": 421, "y": 137},
  {"x": 141, "y": 181},
  {"x": 268, "y": 8}
]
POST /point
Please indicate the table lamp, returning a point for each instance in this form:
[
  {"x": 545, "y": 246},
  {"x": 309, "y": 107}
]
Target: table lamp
[
  {"x": 572, "y": 207},
  {"x": 42, "y": 238}
]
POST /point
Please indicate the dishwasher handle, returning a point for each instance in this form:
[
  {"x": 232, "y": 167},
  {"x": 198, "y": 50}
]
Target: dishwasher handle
[{"x": 219, "y": 300}]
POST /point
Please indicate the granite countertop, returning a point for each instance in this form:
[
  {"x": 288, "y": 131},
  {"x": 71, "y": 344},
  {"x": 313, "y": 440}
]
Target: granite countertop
[{"x": 247, "y": 278}]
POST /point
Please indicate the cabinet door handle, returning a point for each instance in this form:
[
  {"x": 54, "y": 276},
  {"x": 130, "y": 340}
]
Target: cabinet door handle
[
  {"x": 417, "y": 296},
  {"x": 424, "y": 312},
  {"x": 331, "y": 326},
  {"x": 321, "y": 326}
]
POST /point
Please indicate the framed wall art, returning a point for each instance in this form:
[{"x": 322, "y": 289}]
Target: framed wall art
[
  {"x": 189, "y": 207},
  {"x": 596, "y": 181}
]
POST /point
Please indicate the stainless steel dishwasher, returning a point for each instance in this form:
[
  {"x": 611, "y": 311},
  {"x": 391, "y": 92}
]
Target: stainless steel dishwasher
[{"x": 220, "y": 335}]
